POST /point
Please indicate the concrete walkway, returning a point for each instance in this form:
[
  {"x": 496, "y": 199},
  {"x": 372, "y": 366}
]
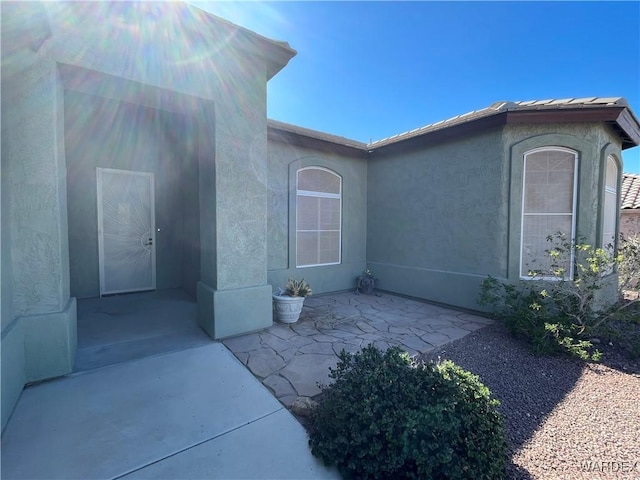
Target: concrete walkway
[
  {"x": 197, "y": 413},
  {"x": 292, "y": 359},
  {"x": 128, "y": 327}
]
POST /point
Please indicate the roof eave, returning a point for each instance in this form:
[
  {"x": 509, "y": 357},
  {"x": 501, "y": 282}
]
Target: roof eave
[
  {"x": 278, "y": 54},
  {"x": 621, "y": 118},
  {"x": 298, "y": 136},
  {"x": 443, "y": 134},
  {"x": 628, "y": 123}
]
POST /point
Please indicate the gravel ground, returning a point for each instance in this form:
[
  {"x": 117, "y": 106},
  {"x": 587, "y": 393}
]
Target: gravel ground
[{"x": 564, "y": 419}]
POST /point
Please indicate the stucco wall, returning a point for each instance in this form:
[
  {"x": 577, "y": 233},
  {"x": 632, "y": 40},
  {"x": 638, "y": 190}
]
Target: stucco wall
[
  {"x": 240, "y": 177},
  {"x": 32, "y": 106},
  {"x": 225, "y": 94},
  {"x": 220, "y": 86},
  {"x": 219, "y": 83},
  {"x": 6, "y": 279},
  {"x": 12, "y": 367},
  {"x": 35, "y": 273},
  {"x": 630, "y": 222},
  {"x": 34, "y": 161},
  {"x": 123, "y": 40},
  {"x": 233, "y": 295},
  {"x": 284, "y": 161},
  {"x": 442, "y": 218},
  {"x": 594, "y": 143},
  {"x": 111, "y": 134},
  {"x": 182, "y": 132},
  {"x": 209, "y": 78},
  {"x": 437, "y": 218}
]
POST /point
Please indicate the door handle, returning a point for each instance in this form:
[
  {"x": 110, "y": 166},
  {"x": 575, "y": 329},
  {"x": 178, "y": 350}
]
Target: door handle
[{"x": 149, "y": 242}]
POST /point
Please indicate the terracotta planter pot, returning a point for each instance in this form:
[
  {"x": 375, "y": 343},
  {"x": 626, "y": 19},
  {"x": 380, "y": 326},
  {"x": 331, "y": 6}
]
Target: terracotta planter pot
[{"x": 287, "y": 309}]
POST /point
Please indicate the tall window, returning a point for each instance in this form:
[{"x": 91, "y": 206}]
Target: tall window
[
  {"x": 318, "y": 217},
  {"x": 610, "y": 210},
  {"x": 548, "y": 206}
]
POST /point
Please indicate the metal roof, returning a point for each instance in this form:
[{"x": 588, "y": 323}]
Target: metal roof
[
  {"x": 630, "y": 194},
  {"x": 612, "y": 110},
  {"x": 505, "y": 106}
]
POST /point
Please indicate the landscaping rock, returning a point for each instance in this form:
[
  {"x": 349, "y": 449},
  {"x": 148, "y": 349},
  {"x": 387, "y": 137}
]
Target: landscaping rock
[
  {"x": 562, "y": 416},
  {"x": 303, "y": 406}
]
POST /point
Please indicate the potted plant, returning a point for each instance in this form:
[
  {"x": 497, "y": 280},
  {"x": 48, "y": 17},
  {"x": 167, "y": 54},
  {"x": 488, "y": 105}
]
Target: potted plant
[
  {"x": 365, "y": 283},
  {"x": 288, "y": 302}
]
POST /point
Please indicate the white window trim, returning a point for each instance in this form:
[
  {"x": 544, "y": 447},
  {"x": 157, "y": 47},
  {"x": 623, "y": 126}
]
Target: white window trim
[
  {"x": 309, "y": 193},
  {"x": 616, "y": 203},
  {"x": 524, "y": 275}
]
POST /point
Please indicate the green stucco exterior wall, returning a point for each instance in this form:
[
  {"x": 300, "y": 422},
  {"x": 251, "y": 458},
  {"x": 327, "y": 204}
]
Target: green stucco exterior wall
[
  {"x": 233, "y": 212},
  {"x": 34, "y": 225},
  {"x": 284, "y": 161},
  {"x": 13, "y": 368},
  {"x": 443, "y": 217},
  {"x": 437, "y": 218},
  {"x": 107, "y": 133},
  {"x": 431, "y": 220},
  {"x": 212, "y": 220},
  {"x": 222, "y": 91},
  {"x": 594, "y": 143}
]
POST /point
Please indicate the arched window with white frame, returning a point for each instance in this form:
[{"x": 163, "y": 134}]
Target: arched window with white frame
[
  {"x": 548, "y": 208},
  {"x": 318, "y": 217},
  {"x": 610, "y": 205}
]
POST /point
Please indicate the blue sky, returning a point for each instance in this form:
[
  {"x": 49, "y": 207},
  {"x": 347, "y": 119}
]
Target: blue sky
[{"x": 369, "y": 70}]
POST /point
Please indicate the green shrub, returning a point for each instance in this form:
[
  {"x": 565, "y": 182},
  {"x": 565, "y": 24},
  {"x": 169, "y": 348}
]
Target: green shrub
[
  {"x": 386, "y": 417},
  {"x": 562, "y": 315},
  {"x": 531, "y": 312},
  {"x": 629, "y": 264}
]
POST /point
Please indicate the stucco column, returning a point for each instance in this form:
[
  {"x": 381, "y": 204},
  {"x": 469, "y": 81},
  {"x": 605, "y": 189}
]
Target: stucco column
[
  {"x": 33, "y": 160},
  {"x": 233, "y": 295}
]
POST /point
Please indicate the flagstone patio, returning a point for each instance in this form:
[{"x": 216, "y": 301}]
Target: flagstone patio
[{"x": 291, "y": 360}]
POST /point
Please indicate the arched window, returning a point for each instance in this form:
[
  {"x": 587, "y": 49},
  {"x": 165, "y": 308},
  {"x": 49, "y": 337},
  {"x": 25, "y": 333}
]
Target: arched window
[
  {"x": 318, "y": 217},
  {"x": 610, "y": 205},
  {"x": 548, "y": 206}
]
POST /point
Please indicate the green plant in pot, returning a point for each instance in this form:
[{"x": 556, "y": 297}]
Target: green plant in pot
[{"x": 288, "y": 302}]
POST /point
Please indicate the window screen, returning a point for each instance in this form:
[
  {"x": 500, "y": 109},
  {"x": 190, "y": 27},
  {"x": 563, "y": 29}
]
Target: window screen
[
  {"x": 318, "y": 217},
  {"x": 548, "y": 206}
]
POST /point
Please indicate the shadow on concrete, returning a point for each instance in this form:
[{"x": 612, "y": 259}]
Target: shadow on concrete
[
  {"x": 196, "y": 413},
  {"x": 121, "y": 328}
]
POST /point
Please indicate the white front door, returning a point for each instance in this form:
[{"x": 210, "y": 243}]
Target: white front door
[{"x": 126, "y": 225}]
